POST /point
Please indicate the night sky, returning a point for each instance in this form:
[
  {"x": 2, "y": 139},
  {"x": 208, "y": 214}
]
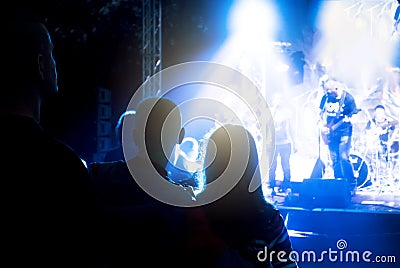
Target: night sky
[{"x": 98, "y": 44}]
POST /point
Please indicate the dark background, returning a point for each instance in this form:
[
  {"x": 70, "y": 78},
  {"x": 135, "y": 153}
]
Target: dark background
[{"x": 98, "y": 44}]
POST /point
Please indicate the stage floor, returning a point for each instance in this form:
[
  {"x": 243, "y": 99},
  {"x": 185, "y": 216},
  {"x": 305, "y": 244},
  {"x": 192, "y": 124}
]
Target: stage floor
[
  {"x": 372, "y": 194},
  {"x": 369, "y": 199}
]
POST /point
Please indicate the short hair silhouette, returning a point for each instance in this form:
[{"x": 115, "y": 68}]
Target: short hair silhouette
[{"x": 157, "y": 129}]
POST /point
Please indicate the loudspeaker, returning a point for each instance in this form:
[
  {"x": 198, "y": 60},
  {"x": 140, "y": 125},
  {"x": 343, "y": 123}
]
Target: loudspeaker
[
  {"x": 318, "y": 170},
  {"x": 325, "y": 193}
]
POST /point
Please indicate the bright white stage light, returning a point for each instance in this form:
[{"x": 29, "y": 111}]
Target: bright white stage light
[
  {"x": 250, "y": 48},
  {"x": 252, "y": 20},
  {"x": 281, "y": 67},
  {"x": 251, "y": 44}
]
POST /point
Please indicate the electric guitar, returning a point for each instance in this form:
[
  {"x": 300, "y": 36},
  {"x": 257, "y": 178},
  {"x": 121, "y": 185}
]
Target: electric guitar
[{"x": 329, "y": 128}]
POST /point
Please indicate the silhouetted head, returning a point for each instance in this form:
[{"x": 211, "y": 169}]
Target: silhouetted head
[
  {"x": 157, "y": 129},
  {"x": 232, "y": 147},
  {"x": 27, "y": 52}
]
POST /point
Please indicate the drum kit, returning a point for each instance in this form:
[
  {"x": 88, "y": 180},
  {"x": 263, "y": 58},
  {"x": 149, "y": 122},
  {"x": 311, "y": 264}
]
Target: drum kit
[{"x": 375, "y": 162}]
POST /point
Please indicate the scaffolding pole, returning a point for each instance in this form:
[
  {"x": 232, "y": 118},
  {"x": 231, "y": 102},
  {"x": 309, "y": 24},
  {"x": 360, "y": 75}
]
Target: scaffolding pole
[{"x": 151, "y": 45}]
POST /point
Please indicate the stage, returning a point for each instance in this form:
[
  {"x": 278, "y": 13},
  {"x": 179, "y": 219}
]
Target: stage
[{"x": 378, "y": 181}]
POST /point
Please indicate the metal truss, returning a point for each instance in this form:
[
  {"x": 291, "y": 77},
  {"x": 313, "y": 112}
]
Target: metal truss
[{"x": 152, "y": 47}]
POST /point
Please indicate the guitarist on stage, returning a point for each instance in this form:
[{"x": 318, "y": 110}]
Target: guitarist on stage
[{"x": 337, "y": 106}]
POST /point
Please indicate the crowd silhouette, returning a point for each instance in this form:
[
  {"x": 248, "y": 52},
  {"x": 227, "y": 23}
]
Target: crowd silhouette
[{"x": 57, "y": 212}]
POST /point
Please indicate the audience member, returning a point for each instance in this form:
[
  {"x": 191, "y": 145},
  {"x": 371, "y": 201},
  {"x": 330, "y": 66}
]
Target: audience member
[
  {"x": 47, "y": 206},
  {"x": 141, "y": 227},
  {"x": 242, "y": 221},
  {"x": 117, "y": 152}
]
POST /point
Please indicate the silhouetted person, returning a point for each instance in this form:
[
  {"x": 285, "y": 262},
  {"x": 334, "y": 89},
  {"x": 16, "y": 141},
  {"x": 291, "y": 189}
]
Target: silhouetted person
[
  {"x": 46, "y": 204},
  {"x": 241, "y": 218},
  {"x": 141, "y": 225},
  {"x": 117, "y": 152}
]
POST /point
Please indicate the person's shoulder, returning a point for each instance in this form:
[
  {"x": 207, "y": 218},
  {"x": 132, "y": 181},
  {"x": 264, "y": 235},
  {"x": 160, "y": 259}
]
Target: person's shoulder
[
  {"x": 348, "y": 94},
  {"x": 106, "y": 168},
  {"x": 324, "y": 98},
  {"x": 25, "y": 134},
  {"x": 65, "y": 161},
  {"x": 60, "y": 149},
  {"x": 269, "y": 211}
]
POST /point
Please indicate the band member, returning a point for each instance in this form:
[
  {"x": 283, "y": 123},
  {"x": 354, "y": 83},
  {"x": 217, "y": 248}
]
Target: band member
[
  {"x": 383, "y": 127},
  {"x": 337, "y": 106},
  {"x": 285, "y": 144}
]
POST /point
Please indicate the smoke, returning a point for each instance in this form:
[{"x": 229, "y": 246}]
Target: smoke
[{"x": 357, "y": 44}]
